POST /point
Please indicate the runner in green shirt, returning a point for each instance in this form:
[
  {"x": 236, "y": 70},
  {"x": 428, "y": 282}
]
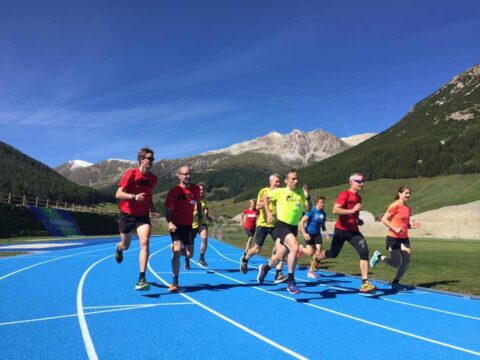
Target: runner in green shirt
[
  {"x": 264, "y": 228},
  {"x": 291, "y": 203}
]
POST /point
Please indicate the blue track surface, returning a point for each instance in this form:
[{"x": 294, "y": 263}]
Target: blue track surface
[{"x": 78, "y": 303}]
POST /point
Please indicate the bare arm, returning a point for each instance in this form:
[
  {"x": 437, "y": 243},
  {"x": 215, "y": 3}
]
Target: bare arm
[
  {"x": 339, "y": 210},
  {"x": 267, "y": 209},
  {"x": 122, "y": 195},
  {"x": 302, "y": 227},
  {"x": 386, "y": 220}
]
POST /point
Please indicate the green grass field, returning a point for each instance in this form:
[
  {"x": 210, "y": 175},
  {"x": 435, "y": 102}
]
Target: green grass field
[
  {"x": 448, "y": 265},
  {"x": 427, "y": 194}
]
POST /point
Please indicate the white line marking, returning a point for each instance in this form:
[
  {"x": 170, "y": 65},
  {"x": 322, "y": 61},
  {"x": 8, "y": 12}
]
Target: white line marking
[
  {"x": 47, "y": 261},
  {"x": 119, "y": 308},
  {"x": 227, "y": 319},
  {"x": 349, "y": 316},
  {"x": 134, "y": 305},
  {"x": 432, "y": 309}
]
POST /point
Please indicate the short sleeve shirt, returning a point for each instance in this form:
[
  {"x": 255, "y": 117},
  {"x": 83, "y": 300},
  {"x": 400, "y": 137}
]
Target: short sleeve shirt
[
  {"x": 250, "y": 217},
  {"x": 316, "y": 221},
  {"x": 181, "y": 201},
  {"x": 262, "y": 216},
  {"x": 290, "y": 204},
  {"x": 134, "y": 182},
  {"x": 400, "y": 217},
  {"x": 347, "y": 200}
]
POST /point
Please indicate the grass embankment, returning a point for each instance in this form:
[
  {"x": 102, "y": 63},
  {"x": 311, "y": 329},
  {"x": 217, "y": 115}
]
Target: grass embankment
[
  {"x": 448, "y": 265},
  {"x": 427, "y": 194}
]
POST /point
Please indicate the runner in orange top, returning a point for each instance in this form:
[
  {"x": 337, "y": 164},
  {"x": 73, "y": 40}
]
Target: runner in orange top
[{"x": 397, "y": 219}]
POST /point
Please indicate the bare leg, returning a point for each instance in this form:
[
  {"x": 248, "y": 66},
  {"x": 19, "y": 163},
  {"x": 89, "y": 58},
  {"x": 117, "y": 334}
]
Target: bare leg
[{"x": 143, "y": 232}]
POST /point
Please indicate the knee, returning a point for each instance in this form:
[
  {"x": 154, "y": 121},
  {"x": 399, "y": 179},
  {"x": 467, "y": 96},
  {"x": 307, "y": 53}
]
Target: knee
[
  {"x": 331, "y": 254},
  {"x": 363, "y": 254}
]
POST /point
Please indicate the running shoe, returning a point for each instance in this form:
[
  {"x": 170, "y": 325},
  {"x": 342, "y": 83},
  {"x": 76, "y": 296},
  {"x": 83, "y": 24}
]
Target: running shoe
[
  {"x": 202, "y": 262},
  {"x": 367, "y": 287},
  {"x": 375, "y": 258},
  {"x": 142, "y": 285},
  {"x": 261, "y": 274},
  {"x": 187, "y": 264},
  {"x": 173, "y": 287},
  {"x": 312, "y": 275},
  {"x": 243, "y": 265},
  {"x": 399, "y": 287},
  {"x": 280, "y": 277},
  {"x": 293, "y": 289},
  {"x": 118, "y": 255}
]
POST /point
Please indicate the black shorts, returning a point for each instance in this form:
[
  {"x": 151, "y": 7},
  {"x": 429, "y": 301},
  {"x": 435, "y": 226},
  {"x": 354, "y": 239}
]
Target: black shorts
[
  {"x": 183, "y": 234},
  {"x": 283, "y": 230},
  {"x": 315, "y": 239},
  {"x": 262, "y": 233},
  {"x": 249, "y": 232},
  {"x": 198, "y": 230},
  {"x": 127, "y": 223},
  {"x": 355, "y": 238},
  {"x": 396, "y": 244}
]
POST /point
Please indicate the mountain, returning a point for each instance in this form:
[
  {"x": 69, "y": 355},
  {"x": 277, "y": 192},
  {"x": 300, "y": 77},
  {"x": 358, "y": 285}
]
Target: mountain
[
  {"x": 438, "y": 136},
  {"x": 22, "y": 175},
  {"x": 241, "y": 162},
  {"x": 297, "y": 149},
  {"x": 354, "y": 140}
]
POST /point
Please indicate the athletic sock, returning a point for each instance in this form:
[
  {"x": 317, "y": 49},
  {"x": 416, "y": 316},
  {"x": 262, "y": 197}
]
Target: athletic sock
[
  {"x": 395, "y": 281},
  {"x": 267, "y": 268},
  {"x": 291, "y": 278},
  {"x": 364, "y": 281},
  {"x": 142, "y": 276},
  {"x": 201, "y": 256},
  {"x": 278, "y": 272}
]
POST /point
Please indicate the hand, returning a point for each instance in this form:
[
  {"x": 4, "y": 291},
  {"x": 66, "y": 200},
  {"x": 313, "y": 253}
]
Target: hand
[
  {"x": 357, "y": 207},
  {"x": 326, "y": 236},
  {"x": 171, "y": 227},
  {"x": 415, "y": 224},
  {"x": 270, "y": 218},
  {"x": 397, "y": 230},
  {"x": 306, "y": 236},
  {"x": 305, "y": 190},
  {"x": 140, "y": 197}
]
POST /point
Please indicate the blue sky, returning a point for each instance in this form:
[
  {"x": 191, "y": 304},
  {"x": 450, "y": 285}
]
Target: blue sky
[{"x": 100, "y": 80}]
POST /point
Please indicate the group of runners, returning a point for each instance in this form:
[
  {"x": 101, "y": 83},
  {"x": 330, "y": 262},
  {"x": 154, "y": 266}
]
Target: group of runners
[{"x": 277, "y": 211}]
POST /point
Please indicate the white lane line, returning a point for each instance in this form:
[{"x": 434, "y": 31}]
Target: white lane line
[
  {"x": 432, "y": 309},
  {"x": 113, "y": 308},
  {"x": 230, "y": 321},
  {"x": 87, "y": 339},
  {"x": 48, "y": 261},
  {"x": 352, "y": 317},
  {"x": 420, "y": 292}
]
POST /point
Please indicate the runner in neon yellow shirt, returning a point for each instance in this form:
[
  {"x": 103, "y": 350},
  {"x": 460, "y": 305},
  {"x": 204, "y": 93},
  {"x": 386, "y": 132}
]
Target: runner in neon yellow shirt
[
  {"x": 201, "y": 228},
  {"x": 264, "y": 228},
  {"x": 291, "y": 203}
]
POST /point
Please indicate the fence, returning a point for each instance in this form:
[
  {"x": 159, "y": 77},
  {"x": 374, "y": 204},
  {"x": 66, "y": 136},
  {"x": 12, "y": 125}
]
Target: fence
[{"x": 37, "y": 202}]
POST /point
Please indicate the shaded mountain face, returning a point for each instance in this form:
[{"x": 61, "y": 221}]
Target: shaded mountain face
[
  {"x": 23, "y": 175},
  {"x": 438, "y": 136},
  {"x": 273, "y": 152}
]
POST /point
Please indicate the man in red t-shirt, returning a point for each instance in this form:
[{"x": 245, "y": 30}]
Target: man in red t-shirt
[
  {"x": 179, "y": 207},
  {"x": 135, "y": 195},
  {"x": 347, "y": 207},
  {"x": 249, "y": 222}
]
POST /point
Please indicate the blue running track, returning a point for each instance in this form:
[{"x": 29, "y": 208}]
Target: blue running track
[{"x": 78, "y": 303}]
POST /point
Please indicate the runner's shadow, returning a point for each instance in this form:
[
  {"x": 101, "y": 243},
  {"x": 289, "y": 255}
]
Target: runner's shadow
[
  {"x": 211, "y": 271},
  {"x": 435, "y": 283},
  {"x": 209, "y": 287}
]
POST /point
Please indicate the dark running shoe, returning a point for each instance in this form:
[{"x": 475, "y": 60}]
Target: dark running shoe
[
  {"x": 187, "y": 264},
  {"x": 280, "y": 277},
  {"x": 293, "y": 289},
  {"x": 202, "y": 262},
  {"x": 243, "y": 265},
  {"x": 262, "y": 272},
  {"x": 399, "y": 287},
  {"x": 142, "y": 285},
  {"x": 118, "y": 255}
]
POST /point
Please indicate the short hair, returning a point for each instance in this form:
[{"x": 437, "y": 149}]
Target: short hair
[
  {"x": 142, "y": 154},
  {"x": 201, "y": 185},
  {"x": 356, "y": 174},
  {"x": 319, "y": 198},
  {"x": 291, "y": 171},
  {"x": 274, "y": 175}
]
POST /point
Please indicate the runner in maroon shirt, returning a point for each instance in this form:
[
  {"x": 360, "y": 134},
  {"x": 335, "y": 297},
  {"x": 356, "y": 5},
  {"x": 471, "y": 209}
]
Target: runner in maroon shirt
[
  {"x": 179, "y": 208},
  {"x": 249, "y": 222},
  {"x": 135, "y": 195},
  {"x": 347, "y": 207}
]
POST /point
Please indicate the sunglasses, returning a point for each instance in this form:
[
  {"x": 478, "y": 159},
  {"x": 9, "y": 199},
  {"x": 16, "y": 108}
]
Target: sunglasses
[
  {"x": 185, "y": 174},
  {"x": 359, "y": 181}
]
